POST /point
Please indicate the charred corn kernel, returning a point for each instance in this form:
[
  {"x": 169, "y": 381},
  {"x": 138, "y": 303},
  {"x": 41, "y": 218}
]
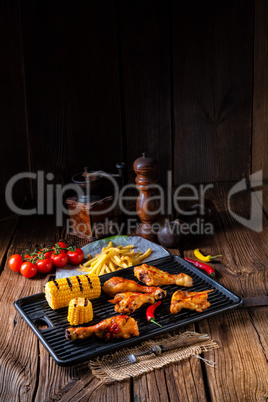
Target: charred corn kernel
[
  {"x": 61, "y": 291},
  {"x": 80, "y": 311}
]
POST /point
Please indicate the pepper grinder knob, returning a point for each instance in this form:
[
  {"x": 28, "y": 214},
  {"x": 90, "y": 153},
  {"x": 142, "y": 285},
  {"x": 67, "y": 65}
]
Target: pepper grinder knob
[{"x": 147, "y": 205}]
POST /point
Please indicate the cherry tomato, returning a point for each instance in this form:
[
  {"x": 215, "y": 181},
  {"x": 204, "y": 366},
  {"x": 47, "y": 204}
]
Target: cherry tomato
[
  {"x": 75, "y": 257},
  {"x": 45, "y": 265},
  {"x": 47, "y": 254},
  {"x": 28, "y": 269},
  {"x": 59, "y": 260},
  {"x": 60, "y": 244},
  {"x": 15, "y": 262},
  {"x": 29, "y": 258}
]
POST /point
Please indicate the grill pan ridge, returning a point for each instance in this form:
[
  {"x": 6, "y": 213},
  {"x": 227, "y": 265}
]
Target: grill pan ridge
[{"x": 65, "y": 353}]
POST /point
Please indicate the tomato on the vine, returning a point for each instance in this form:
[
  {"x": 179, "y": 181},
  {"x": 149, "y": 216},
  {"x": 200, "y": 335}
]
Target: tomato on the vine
[
  {"x": 47, "y": 254},
  {"x": 44, "y": 266},
  {"x": 15, "y": 262},
  {"x": 60, "y": 244},
  {"x": 28, "y": 269},
  {"x": 59, "y": 260},
  {"x": 75, "y": 257}
]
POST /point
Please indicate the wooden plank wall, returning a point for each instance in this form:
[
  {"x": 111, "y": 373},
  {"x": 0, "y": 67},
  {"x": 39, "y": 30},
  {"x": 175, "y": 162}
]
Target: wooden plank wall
[
  {"x": 14, "y": 141},
  {"x": 146, "y": 74},
  {"x": 94, "y": 82},
  {"x": 260, "y": 99},
  {"x": 212, "y": 64},
  {"x": 73, "y": 95}
]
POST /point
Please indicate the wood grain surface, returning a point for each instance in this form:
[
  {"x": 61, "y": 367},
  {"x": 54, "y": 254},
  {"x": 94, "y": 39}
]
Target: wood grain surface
[
  {"x": 7, "y": 229},
  {"x": 212, "y": 90},
  {"x": 241, "y": 360},
  {"x": 29, "y": 373},
  {"x": 243, "y": 266},
  {"x": 94, "y": 83},
  {"x": 20, "y": 362}
]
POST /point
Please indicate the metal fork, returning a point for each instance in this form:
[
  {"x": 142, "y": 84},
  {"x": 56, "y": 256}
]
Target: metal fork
[{"x": 157, "y": 350}]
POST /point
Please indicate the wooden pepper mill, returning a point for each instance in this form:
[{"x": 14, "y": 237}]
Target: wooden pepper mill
[{"x": 146, "y": 171}]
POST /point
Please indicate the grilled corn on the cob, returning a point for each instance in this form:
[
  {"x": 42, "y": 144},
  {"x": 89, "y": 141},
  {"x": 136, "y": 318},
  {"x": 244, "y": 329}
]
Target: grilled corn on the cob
[
  {"x": 61, "y": 291},
  {"x": 80, "y": 311}
]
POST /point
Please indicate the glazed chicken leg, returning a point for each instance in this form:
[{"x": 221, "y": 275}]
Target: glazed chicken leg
[
  {"x": 155, "y": 277},
  {"x": 120, "y": 326},
  {"x": 190, "y": 300},
  {"x": 120, "y": 285},
  {"x": 127, "y": 303}
]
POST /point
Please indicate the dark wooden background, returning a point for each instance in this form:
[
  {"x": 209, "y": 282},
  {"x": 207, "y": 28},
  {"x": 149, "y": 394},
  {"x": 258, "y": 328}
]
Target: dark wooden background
[{"x": 91, "y": 83}]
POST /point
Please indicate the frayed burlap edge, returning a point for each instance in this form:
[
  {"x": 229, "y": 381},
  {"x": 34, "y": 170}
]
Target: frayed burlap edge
[{"x": 115, "y": 367}]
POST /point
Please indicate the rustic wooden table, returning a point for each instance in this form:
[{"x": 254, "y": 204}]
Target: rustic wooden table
[{"x": 29, "y": 373}]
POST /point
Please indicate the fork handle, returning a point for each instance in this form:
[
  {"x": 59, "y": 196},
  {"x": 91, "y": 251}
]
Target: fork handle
[{"x": 158, "y": 349}]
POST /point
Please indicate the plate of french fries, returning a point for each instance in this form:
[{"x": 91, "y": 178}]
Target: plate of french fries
[
  {"x": 112, "y": 254},
  {"x": 112, "y": 258}
]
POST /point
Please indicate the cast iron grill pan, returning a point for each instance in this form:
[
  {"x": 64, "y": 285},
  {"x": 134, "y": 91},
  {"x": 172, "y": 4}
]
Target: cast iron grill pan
[{"x": 35, "y": 309}]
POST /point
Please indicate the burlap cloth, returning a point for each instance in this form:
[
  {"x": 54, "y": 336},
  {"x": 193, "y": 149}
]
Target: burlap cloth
[{"x": 116, "y": 367}]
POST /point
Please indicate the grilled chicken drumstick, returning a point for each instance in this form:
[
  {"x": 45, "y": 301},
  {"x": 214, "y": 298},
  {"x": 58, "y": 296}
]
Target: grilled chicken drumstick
[
  {"x": 120, "y": 326},
  {"x": 120, "y": 285},
  {"x": 190, "y": 300},
  {"x": 127, "y": 303},
  {"x": 155, "y": 277}
]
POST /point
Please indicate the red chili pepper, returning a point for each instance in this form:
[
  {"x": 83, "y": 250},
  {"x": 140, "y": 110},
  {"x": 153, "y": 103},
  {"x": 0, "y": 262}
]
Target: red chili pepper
[
  {"x": 150, "y": 313},
  {"x": 210, "y": 271}
]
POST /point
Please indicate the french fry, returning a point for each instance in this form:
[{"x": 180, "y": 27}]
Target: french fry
[
  {"x": 117, "y": 260},
  {"x": 104, "y": 269},
  {"x": 144, "y": 255},
  {"x": 130, "y": 246},
  {"x": 133, "y": 261},
  {"x": 113, "y": 258},
  {"x": 137, "y": 254},
  {"x": 109, "y": 245},
  {"x": 83, "y": 269},
  {"x": 89, "y": 262},
  {"x": 111, "y": 266}
]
